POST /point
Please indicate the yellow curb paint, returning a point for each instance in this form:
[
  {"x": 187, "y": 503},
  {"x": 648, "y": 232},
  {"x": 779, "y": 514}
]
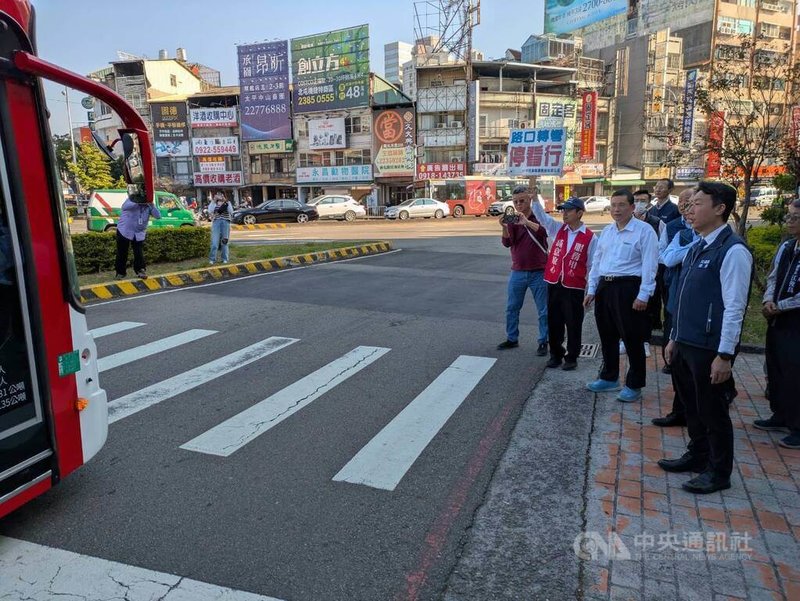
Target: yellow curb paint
[
  {"x": 215, "y": 273},
  {"x": 233, "y": 269},
  {"x": 174, "y": 280},
  {"x": 127, "y": 288},
  {"x": 251, "y": 267},
  {"x": 196, "y": 276},
  {"x": 101, "y": 292},
  {"x": 310, "y": 258},
  {"x": 152, "y": 284}
]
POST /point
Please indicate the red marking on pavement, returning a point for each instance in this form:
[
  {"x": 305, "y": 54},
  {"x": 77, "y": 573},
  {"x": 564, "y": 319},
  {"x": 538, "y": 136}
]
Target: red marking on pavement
[{"x": 437, "y": 535}]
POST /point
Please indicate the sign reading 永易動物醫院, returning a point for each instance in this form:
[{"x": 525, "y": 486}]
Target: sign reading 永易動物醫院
[
  {"x": 536, "y": 151},
  {"x": 345, "y": 173}
]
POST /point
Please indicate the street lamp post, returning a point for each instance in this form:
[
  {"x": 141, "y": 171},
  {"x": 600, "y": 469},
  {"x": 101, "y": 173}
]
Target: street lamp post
[{"x": 69, "y": 118}]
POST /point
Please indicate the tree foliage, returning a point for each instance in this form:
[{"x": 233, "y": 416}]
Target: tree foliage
[{"x": 92, "y": 169}]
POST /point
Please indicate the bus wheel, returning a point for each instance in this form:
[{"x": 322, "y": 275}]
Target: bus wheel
[
  {"x": 439, "y": 214},
  {"x": 458, "y": 211}
]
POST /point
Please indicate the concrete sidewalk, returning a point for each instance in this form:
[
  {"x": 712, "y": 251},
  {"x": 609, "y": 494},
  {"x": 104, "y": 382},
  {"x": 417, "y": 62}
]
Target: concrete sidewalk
[{"x": 578, "y": 508}]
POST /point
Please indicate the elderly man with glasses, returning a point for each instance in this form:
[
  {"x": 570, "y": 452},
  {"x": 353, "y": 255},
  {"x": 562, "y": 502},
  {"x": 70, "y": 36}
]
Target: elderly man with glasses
[{"x": 527, "y": 239}]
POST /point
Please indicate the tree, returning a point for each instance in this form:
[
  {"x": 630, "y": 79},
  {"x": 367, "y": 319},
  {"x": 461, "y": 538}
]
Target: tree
[
  {"x": 63, "y": 149},
  {"x": 746, "y": 99},
  {"x": 92, "y": 170}
]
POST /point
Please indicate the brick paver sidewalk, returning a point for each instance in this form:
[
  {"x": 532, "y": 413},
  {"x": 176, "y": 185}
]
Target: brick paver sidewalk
[{"x": 742, "y": 543}]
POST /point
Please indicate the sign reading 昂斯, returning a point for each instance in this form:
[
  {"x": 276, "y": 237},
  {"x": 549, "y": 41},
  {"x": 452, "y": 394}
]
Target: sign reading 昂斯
[
  {"x": 227, "y": 145},
  {"x": 264, "y": 91},
  {"x": 226, "y": 178},
  {"x": 218, "y": 117},
  {"x": 536, "y": 151}
]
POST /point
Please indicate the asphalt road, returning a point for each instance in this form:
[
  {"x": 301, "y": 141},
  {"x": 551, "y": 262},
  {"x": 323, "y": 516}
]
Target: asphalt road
[{"x": 315, "y": 501}]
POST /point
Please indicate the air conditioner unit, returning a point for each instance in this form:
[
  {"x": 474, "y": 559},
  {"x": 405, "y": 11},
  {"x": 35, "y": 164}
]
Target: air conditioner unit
[
  {"x": 523, "y": 125},
  {"x": 441, "y": 125},
  {"x": 456, "y": 124}
]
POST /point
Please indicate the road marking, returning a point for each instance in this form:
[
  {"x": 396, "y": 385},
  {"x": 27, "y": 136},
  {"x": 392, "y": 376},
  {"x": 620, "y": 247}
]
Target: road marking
[
  {"x": 234, "y": 433},
  {"x": 114, "y": 328},
  {"x": 47, "y": 574},
  {"x": 151, "y": 348},
  {"x": 235, "y": 280},
  {"x": 152, "y": 395},
  {"x": 386, "y": 458}
]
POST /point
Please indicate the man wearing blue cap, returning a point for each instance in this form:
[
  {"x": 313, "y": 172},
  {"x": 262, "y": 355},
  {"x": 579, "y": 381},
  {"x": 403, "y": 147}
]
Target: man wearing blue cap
[{"x": 568, "y": 265}]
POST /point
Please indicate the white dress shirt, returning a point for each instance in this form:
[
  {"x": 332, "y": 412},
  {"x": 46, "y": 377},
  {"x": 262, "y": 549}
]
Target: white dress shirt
[
  {"x": 734, "y": 276},
  {"x": 787, "y": 304},
  {"x": 674, "y": 254},
  {"x": 631, "y": 251},
  {"x": 553, "y": 226}
]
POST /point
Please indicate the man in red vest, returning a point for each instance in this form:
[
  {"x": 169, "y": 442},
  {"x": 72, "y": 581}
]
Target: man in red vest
[{"x": 568, "y": 264}]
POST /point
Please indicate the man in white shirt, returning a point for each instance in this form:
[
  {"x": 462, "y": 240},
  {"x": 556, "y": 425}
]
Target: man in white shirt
[
  {"x": 622, "y": 280},
  {"x": 713, "y": 291}
]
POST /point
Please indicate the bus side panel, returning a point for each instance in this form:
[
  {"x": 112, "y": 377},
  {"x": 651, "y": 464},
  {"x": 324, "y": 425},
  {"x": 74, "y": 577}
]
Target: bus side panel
[
  {"x": 19, "y": 500},
  {"x": 34, "y": 175}
]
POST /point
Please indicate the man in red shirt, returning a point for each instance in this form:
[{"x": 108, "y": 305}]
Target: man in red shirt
[{"x": 527, "y": 240}]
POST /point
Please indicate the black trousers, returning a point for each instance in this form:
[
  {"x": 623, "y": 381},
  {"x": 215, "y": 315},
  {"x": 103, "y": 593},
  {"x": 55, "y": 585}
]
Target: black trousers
[
  {"x": 564, "y": 311},
  {"x": 707, "y": 417},
  {"x": 122, "y": 254},
  {"x": 678, "y": 407},
  {"x": 783, "y": 368},
  {"x": 616, "y": 319},
  {"x": 656, "y": 301}
]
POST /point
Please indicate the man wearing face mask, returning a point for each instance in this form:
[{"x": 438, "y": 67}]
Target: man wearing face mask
[{"x": 642, "y": 206}]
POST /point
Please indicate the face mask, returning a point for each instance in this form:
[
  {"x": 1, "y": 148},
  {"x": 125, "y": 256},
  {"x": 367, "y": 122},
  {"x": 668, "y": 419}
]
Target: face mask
[{"x": 641, "y": 207}]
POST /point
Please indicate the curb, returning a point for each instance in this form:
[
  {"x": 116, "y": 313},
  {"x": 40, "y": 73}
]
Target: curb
[
  {"x": 259, "y": 226},
  {"x": 102, "y": 292},
  {"x": 754, "y": 349}
]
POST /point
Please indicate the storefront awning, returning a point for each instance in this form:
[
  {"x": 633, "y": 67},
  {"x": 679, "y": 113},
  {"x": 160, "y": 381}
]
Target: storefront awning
[{"x": 625, "y": 182}]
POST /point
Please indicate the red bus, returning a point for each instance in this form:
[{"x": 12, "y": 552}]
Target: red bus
[
  {"x": 53, "y": 412},
  {"x": 471, "y": 194}
]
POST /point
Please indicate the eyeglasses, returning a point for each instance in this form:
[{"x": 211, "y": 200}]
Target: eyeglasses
[
  {"x": 518, "y": 200},
  {"x": 791, "y": 218}
]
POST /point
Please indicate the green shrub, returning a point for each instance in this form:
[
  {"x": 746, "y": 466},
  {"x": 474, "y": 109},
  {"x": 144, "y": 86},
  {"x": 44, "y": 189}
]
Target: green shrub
[
  {"x": 764, "y": 240},
  {"x": 72, "y": 211},
  {"x": 774, "y": 214},
  {"x": 96, "y": 251}
]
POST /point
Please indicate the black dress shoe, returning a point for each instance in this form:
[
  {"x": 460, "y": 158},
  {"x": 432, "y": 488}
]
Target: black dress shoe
[
  {"x": 769, "y": 424},
  {"x": 569, "y": 365},
  {"x": 507, "y": 344},
  {"x": 685, "y": 463},
  {"x": 666, "y": 370},
  {"x": 553, "y": 362},
  {"x": 542, "y": 350},
  {"x": 706, "y": 483},
  {"x": 669, "y": 420}
]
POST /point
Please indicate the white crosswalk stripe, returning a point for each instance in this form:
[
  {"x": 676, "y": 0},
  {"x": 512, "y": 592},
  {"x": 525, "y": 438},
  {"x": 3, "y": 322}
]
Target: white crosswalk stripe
[
  {"x": 385, "y": 459},
  {"x": 157, "y": 393},
  {"x": 151, "y": 348},
  {"x": 115, "y": 328},
  {"x": 236, "y": 432}
]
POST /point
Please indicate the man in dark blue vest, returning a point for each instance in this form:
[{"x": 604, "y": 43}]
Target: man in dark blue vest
[
  {"x": 713, "y": 291},
  {"x": 781, "y": 307}
]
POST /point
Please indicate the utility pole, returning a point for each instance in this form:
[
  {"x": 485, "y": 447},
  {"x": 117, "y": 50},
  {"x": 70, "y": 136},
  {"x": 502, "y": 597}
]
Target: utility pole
[
  {"x": 69, "y": 118},
  {"x": 469, "y": 9}
]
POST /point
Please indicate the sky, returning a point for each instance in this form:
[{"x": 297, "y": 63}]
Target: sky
[{"x": 84, "y": 35}]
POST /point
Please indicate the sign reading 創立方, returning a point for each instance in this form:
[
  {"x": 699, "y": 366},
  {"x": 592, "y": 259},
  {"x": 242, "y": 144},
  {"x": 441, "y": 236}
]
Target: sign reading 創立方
[
  {"x": 441, "y": 170},
  {"x": 228, "y": 145},
  {"x": 393, "y": 133},
  {"x": 331, "y": 70},
  {"x": 226, "y": 178},
  {"x": 264, "y": 91},
  {"x": 345, "y": 173},
  {"x": 536, "y": 151},
  {"x": 218, "y": 117}
]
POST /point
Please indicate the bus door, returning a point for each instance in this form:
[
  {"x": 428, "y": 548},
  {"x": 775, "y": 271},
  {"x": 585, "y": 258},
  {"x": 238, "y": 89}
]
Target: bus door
[{"x": 26, "y": 452}]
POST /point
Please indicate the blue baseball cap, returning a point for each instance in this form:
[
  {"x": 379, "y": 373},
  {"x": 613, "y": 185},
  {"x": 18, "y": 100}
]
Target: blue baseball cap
[{"x": 572, "y": 203}]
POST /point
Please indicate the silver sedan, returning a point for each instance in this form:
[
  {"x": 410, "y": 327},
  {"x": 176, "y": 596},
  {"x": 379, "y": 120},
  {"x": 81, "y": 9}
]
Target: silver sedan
[{"x": 418, "y": 207}]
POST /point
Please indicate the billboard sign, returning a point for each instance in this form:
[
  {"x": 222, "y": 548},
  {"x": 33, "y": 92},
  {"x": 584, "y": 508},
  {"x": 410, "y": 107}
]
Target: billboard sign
[
  {"x": 226, "y": 145},
  {"x": 716, "y": 134},
  {"x": 326, "y": 134},
  {"x": 393, "y": 133},
  {"x": 211, "y": 164},
  {"x": 170, "y": 129},
  {"x": 264, "y": 91},
  {"x": 172, "y": 148},
  {"x": 536, "y": 151},
  {"x": 565, "y": 16},
  {"x": 222, "y": 179},
  {"x": 557, "y": 112},
  {"x": 271, "y": 147},
  {"x": 441, "y": 170},
  {"x": 689, "y": 173},
  {"x": 588, "y": 126},
  {"x": 217, "y": 117},
  {"x": 346, "y": 173},
  {"x": 331, "y": 70},
  {"x": 689, "y": 94}
]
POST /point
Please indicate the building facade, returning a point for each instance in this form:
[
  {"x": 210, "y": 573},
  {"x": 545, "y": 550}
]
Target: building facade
[{"x": 395, "y": 56}]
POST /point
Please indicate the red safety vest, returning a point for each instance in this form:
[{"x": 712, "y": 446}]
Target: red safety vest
[{"x": 569, "y": 268}]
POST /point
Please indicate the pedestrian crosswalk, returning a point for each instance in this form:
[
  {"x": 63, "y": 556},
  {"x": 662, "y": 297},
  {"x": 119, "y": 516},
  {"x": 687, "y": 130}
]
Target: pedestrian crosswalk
[{"x": 381, "y": 464}]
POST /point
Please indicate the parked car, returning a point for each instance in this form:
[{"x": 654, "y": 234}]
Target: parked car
[
  {"x": 597, "y": 204},
  {"x": 763, "y": 196},
  {"x": 104, "y": 209},
  {"x": 507, "y": 206},
  {"x": 288, "y": 209},
  {"x": 330, "y": 206},
  {"x": 418, "y": 207}
]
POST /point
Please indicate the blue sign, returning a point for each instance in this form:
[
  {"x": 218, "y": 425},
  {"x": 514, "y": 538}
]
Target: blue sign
[
  {"x": 264, "y": 91},
  {"x": 565, "y": 16}
]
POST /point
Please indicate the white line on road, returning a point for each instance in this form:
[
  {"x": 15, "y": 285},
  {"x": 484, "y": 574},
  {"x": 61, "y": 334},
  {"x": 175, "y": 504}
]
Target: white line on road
[
  {"x": 47, "y": 574},
  {"x": 140, "y": 352},
  {"x": 152, "y": 395},
  {"x": 234, "y": 433},
  {"x": 386, "y": 458},
  {"x": 238, "y": 279},
  {"x": 114, "y": 328}
]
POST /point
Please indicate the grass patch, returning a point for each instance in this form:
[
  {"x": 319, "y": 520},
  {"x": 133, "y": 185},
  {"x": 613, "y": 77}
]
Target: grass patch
[
  {"x": 239, "y": 254},
  {"x": 754, "y": 328}
]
